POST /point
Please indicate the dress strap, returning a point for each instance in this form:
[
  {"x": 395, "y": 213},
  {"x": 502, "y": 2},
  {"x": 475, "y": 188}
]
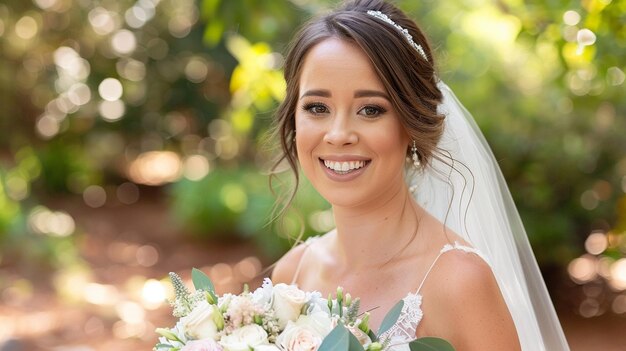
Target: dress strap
[
  {"x": 446, "y": 248},
  {"x": 307, "y": 243}
]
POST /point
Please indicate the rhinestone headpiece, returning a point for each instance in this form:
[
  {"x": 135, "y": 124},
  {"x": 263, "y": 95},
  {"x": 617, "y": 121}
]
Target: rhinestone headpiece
[{"x": 404, "y": 32}]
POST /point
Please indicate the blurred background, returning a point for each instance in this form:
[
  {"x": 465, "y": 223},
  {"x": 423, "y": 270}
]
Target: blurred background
[{"x": 133, "y": 142}]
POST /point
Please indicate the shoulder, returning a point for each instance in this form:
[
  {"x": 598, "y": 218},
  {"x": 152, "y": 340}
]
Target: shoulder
[
  {"x": 286, "y": 267},
  {"x": 475, "y": 315}
]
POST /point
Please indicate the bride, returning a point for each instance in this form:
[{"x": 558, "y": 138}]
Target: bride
[{"x": 421, "y": 210}]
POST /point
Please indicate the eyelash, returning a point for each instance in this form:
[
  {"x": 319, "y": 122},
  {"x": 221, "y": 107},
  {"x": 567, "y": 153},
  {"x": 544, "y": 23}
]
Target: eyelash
[
  {"x": 378, "y": 109},
  {"x": 308, "y": 108}
]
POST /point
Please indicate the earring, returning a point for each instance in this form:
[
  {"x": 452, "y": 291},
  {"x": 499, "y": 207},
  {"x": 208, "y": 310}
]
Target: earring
[{"x": 414, "y": 157}]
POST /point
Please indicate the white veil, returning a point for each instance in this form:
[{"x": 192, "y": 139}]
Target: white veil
[{"x": 464, "y": 188}]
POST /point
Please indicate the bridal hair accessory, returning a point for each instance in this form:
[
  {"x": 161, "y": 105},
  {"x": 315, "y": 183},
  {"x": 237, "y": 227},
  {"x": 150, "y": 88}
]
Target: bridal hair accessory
[
  {"x": 404, "y": 31},
  {"x": 414, "y": 157}
]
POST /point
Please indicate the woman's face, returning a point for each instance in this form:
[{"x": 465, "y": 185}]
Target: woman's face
[{"x": 351, "y": 145}]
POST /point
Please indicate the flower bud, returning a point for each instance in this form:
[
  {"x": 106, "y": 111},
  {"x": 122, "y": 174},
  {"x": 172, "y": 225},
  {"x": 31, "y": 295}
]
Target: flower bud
[
  {"x": 167, "y": 334},
  {"x": 330, "y": 303},
  {"x": 218, "y": 319},
  {"x": 258, "y": 319},
  {"x": 375, "y": 346},
  {"x": 348, "y": 299},
  {"x": 364, "y": 325},
  {"x": 210, "y": 298},
  {"x": 339, "y": 295}
]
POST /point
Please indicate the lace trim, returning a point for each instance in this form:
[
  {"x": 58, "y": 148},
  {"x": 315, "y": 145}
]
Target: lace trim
[
  {"x": 457, "y": 246},
  {"x": 407, "y": 322}
]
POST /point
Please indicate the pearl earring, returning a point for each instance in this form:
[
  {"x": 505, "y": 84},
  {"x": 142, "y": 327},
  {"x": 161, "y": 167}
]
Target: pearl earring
[{"x": 414, "y": 157}]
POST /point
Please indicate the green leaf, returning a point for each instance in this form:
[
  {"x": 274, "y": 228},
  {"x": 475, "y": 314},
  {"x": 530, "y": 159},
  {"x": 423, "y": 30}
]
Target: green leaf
[
  {"x": 430, "y": 344},
  {"x": 354, "y": 344},
  {"x": 201, "y": 281},
  {"x": 337, "y": 340},
  {"x": 391, "y": 317}
]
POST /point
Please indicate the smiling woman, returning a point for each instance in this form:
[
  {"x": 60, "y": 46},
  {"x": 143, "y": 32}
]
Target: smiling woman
[
  {"x": 348, "y": 132},
  {"x": 440, "y": 231}
]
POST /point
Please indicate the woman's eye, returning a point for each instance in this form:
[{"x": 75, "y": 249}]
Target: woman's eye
[
  {"x": 371, "y": 111},
  {"x": 315, "y": 109}
]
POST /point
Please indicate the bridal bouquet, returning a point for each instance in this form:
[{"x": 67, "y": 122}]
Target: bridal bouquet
[{"x": 277, "y": 317}]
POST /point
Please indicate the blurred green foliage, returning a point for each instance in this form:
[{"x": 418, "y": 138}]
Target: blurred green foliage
[{"x": 200, "y": 80}]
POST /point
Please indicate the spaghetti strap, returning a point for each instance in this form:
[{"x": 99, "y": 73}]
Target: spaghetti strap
[
  {"x": 307, "y": 243},
  {"x": 446, "y": 248}
]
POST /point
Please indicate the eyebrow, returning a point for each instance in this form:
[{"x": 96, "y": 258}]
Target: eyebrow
[{"x": 357, "y": 94}]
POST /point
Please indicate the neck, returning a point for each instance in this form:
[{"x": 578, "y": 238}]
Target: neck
[{"x": 372, "y": 236}]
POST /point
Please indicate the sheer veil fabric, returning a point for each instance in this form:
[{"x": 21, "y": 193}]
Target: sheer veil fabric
[{"x": 464, "y": 188}]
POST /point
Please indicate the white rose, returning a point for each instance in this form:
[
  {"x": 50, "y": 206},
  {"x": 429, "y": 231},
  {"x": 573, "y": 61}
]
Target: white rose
[
  {"x": 318, "y": 322},
  {"x": 298, "y": 338},
  {"x": 287, "y": 302},
  {"x": 244, "y": 338},
  {"x": 199, "y": 323}
]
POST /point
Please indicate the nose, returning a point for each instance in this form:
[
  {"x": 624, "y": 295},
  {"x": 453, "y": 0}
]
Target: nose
[{"x": 340, "y": 131}]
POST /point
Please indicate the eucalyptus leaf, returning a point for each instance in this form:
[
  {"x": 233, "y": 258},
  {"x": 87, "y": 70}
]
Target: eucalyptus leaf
[
  {"x": 354, "y": 344},
  {"x": 201, "y": 281},
  {"x": 391, "y": 317},
  {"x": 430, "y": 344},
  {"x": 337, "y": 340}
]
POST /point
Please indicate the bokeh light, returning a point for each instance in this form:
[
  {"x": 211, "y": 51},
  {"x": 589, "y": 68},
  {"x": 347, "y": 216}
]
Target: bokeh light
[
  {"x": 196, "y": 167},
  {"x": 53, "y": 223},
  {"x": 582, "y": 269},
  {"x": 26, "y": 27},
  {"x": 123, "y": 42},
  {"x": 155, "y": 168},
  {"x": 596, "y": 243},
  {"x": 94, "y": 196},
  {"x": 110, "y": 89}
]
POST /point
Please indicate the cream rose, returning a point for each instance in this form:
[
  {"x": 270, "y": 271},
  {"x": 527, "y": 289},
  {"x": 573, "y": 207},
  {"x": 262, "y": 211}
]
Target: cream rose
[
  {"x": 298, "y": 338},
  {"x": 244, "y": 338},
  {"x": 199, "y": 324},
  {"x": 287, "y": 302}
]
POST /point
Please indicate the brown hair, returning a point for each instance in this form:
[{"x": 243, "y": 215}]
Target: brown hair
[{"x": 410, "y": 80}]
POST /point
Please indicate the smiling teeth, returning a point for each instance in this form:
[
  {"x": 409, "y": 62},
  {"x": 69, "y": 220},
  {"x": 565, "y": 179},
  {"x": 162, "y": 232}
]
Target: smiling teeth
[{"x": 344, "y": 167}]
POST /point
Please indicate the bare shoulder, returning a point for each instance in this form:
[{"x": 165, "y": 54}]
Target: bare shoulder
[
  {"x": 475, "y": 315},
  {"x": 285, "y": 268}
]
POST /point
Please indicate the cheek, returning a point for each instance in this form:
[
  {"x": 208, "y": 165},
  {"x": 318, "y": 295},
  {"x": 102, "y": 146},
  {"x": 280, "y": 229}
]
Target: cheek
[{"x": 307, "y": 136}]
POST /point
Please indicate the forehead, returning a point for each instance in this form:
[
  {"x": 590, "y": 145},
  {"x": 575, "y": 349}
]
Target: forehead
[{"x": 338, "y": 64}]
